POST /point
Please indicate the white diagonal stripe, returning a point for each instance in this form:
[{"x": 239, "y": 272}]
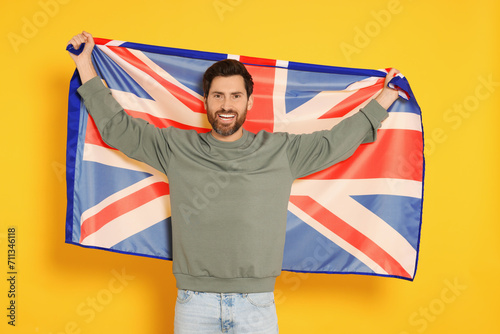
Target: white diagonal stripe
[
  {"x": 113, "y": 43},
  {"x": 402, "y": 121},
  {"x": 336, "y": 239}
]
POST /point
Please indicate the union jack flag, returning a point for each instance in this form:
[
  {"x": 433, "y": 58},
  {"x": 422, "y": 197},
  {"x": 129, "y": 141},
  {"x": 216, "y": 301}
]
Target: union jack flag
[{"x": 360, "y": 216}]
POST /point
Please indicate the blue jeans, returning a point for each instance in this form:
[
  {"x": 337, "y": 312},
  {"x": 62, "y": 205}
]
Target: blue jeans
[{"x": 202, "y": 312}]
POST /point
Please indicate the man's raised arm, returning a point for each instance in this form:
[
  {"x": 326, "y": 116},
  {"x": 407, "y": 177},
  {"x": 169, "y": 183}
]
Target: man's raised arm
[{"x": 133, "y": 136}]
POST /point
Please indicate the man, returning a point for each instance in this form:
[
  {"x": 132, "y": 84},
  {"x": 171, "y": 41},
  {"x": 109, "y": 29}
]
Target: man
[{"x": 227, "y": 250}]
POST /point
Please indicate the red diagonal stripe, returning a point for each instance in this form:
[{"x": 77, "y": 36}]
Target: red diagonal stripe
[
  {"x": 354, "y": 100},
  {"x": 122, "y": 206},
  {"x": 101, "y": 41},
  {"x": 378, "y": 159},
  {"x": 190, "y": 101},
  {"x": 349, "y": 234}
]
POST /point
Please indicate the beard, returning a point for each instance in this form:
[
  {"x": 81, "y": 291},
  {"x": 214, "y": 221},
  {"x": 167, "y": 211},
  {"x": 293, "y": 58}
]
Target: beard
[{"x": 226, "y": 129}]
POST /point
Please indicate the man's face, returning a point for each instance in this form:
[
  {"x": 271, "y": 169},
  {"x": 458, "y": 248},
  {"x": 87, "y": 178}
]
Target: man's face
[{"x": 227, "y": 104}]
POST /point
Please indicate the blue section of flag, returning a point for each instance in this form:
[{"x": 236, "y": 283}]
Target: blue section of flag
[
  {"x": 189, "y": 72},
  {"x": 116, "y": 77},
  {"x": 99, "y": 181},
  {"x": 156, "y": 241},
  {"x": 72, "y": 156},
  {"x": 193, "y": 54}
]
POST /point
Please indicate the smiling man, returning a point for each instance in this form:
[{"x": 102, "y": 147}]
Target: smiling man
[{"x": 228, "y": 248}]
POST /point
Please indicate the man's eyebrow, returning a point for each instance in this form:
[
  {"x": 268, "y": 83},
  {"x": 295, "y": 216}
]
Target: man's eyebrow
[{"x": 231, "y": 93}]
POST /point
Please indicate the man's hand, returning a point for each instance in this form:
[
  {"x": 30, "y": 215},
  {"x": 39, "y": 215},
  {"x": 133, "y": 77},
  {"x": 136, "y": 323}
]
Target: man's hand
[
  {"x": 83, "y": 61},
  {"x": 388, "y": 95}
]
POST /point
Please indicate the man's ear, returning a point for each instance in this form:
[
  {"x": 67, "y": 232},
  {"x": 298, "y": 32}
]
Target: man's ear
[
  {"x": 250, "y": 102},
  {"x": 205, "y": 102}
]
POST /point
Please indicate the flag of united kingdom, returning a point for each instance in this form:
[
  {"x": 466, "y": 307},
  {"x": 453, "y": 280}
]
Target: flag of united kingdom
[{"x": 360, "y": 216}]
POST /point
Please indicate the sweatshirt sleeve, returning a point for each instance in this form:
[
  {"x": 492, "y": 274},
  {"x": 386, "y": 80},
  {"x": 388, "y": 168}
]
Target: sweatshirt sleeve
[
  {"x": 310, "y": 153},
  {"x": 135, "y": 137}
]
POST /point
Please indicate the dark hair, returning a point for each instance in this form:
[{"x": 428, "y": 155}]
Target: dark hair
[{"x": 227, "y": 68}]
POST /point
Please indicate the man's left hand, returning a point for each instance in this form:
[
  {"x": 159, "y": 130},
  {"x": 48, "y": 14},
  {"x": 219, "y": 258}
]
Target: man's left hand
[{"x": 388, "y": 95}]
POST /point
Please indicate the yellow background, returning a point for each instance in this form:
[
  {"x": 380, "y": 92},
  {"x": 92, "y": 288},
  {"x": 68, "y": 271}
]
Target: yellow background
[{"x": 448, "y": 50}]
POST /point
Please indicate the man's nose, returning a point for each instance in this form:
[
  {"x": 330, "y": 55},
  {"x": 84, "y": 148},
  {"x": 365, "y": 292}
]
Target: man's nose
[{"x": 226, "y": 104}]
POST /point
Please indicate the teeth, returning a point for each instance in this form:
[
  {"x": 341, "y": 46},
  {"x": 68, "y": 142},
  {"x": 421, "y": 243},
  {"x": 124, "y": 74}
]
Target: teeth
[{"x": 226, "y": 116}]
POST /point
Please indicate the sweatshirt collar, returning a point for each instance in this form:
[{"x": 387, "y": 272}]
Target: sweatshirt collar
[{"x": 227, "y": 144}]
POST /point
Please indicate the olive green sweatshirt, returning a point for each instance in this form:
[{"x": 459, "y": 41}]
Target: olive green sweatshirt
[{"x": 228, "y": 199}]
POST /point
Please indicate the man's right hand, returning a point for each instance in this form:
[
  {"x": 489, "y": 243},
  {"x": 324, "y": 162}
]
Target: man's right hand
[{"x": 83, "y": 61}]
